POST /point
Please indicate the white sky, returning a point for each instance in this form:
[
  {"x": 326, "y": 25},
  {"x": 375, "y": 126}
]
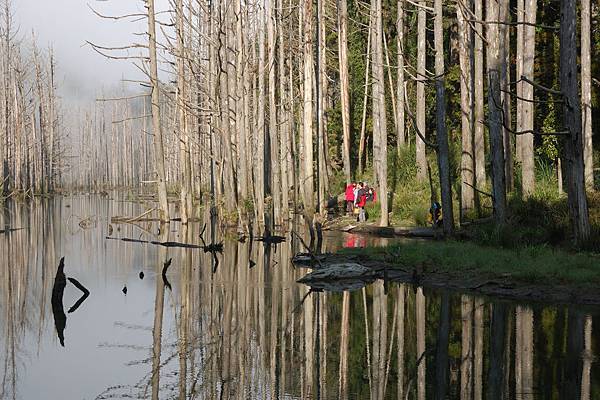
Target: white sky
[{"x": 67, "y": 24}]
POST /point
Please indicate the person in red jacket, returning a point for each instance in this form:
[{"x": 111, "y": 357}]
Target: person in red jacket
[
  {"x": 361, "y": 201},
  {"x": 350, "y": 198}
]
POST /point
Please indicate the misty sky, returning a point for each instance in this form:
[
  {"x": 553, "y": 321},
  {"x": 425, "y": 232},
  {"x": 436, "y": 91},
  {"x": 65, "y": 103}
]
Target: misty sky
[{"x": 67, "y": 24}]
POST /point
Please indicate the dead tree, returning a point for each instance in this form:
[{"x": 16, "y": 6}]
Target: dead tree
[
  {"x": 573, "y": 144},
  {"x": 443, "y": 153},
  {"x": 495, "y": 119}
]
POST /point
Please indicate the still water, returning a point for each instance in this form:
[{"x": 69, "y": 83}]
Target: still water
[{"x": 236, "y": 325}]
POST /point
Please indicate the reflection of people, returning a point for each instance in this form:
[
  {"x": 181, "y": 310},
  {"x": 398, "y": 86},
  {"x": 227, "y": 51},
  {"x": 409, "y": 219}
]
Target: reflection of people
[{"x": 354, "y": 241}]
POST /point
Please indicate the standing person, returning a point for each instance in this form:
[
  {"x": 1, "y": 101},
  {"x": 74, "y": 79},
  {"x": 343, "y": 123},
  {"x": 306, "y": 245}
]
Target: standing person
[
  {"x": 371, "y": 195},
  {"x": 361, "y": 202},
  {"x": 350, "y": 198},
  {"x": 356, "y": 190}
]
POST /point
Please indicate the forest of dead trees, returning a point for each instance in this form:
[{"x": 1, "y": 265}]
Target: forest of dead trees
[
  {"x": 31, "y": 131},
  {"x": 267, "y": 107}
]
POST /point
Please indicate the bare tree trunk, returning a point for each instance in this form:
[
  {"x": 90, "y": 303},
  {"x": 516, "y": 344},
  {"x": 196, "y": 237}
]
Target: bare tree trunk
[
  {"x": 274, "y": 171},
  {"x": 285, "y": 118},
  {"x": 573, "y": 144},
  {"x": 443, "y": 152},
  {"x": 260, "y": 132},
  {"x": 478, "y": 98},
  {"x": 467, "y": 164},
  {"x": 506, "y": 98},
  {"x": 241, "y": 103},
  {"x": 184, "y": 145},
  {"x": 308, "y": 184},
  {"x": 379, "y": 110},
  {"x": 520, "y": 13},
  {"x": 159, "y": 155},
  {"x": 527, "y": 109},
  {"x": 400, "y": 127},
  {"x": 320, "y": 86},
  {"x": 586, "y": 94},
  {"x": 363, "y": 125},
  {"x": 495, "y": 113},
  {"x": 421, "y": 77},
  {"x": 344, "y": 84}
]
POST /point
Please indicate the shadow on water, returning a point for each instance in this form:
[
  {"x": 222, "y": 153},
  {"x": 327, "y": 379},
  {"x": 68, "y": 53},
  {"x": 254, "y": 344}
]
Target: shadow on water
[{"x": 236, "y": 324}]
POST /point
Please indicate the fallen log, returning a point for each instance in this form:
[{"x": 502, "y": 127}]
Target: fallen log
[
  {"x": 211, "y": 248},
  {"x": 388, "y": 231},
  {"x": 335, "y": 272}
]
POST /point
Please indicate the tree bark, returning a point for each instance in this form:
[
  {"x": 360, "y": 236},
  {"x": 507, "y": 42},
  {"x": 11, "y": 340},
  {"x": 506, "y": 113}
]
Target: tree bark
[
  {"x": 308, "y": 183},
  {"x": 467, "y": 165},
  {"x": 184, "y": 146},
  {"x": 443, "y": 152},
  {"x": 421, "y": 76},
  {"x": 379, "y": 111},
  {"x": 478, "y": 99},
  {"x": 274, "y": 171},
  {"x": 586, "y": 94},
  {"x": 495, "y": 114},
  {"x": 159, "y": 155},
  {"x": 400, "y": 126},
  {"x": 527, "y": 107},
  {"x": 573, "y": 144},
  {"x": 344, "y": 85}
]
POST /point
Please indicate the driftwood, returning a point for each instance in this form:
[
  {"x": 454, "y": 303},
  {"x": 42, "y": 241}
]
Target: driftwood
[
  {"x": 418, "y": 232},
  {"x": 213, "y": 247}
]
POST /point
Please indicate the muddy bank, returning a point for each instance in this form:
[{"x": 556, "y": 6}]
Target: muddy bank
[{"x": 367, "y": 270}]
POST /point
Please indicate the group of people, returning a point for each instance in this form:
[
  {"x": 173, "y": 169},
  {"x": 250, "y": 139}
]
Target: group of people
[{"x": 357, "y": 196}]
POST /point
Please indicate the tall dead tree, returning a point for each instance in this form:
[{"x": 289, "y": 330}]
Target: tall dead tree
[
  {"x": 586, "y": 93},
  {"x": 467, "y": 163},
  {"x": 379, "y": 110},
  {"x": 344, "y": 84},
  {"x": 525, "y": 105},
  {"x": 443, "y": 153},
  {"x": 495, "y": 119},
  {"x": 421, "y": 78},
  {"x": 478, "y": 98},
  {"x": 400, "y": 126},
  {"x": 307, "y": 130},
  {"x": 159, "y": 157},
  {"x": 273, "y": 137},
  {"x": 184, "y": 141},
  {"x": 573, "y": 144},
  {"x": 321, "y": 85}
]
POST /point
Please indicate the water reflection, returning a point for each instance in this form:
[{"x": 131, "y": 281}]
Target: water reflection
[{"x": 236, "y": 325}]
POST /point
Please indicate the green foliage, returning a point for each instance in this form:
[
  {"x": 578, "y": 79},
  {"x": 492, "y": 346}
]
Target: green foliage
[{"x": 529, "y": 263}]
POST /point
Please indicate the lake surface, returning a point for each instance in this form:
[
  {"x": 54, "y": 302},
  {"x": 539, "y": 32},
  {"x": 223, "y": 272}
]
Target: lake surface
[{"x": 238, "y": 326}]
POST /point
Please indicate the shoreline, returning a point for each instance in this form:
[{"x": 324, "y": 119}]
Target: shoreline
[{"x": 574, "y": 283}]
